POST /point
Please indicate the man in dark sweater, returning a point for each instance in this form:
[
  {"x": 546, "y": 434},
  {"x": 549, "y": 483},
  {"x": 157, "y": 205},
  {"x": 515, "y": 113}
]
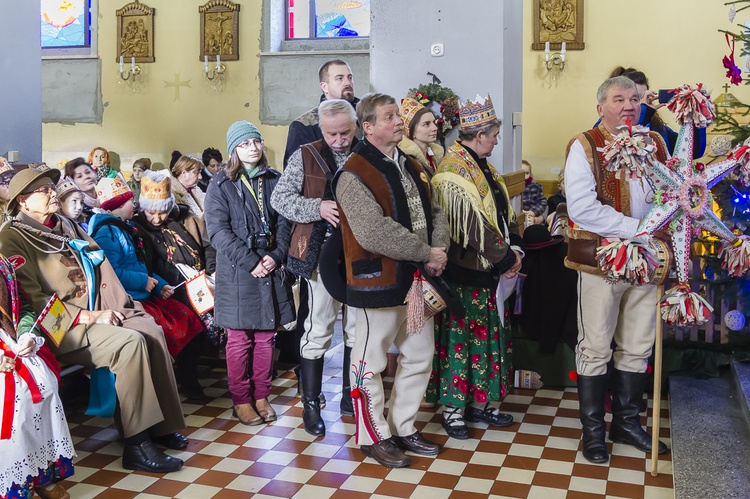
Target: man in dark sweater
[{"x": 388, "y": 221}]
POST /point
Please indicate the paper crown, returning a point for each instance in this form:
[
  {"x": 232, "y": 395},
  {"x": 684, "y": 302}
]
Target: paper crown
[
  {"x": 113, "y": 192},
  {"x": 156, "y": 191},
  {"x": 474, "y": 115},
  {"x": 65, "y": 186},
  {"x": 409, "y": 108},
  {"x": 5, "y": 166}
]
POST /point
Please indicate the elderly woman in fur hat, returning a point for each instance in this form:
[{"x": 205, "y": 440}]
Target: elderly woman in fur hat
[{"x": 174, "y": 237}]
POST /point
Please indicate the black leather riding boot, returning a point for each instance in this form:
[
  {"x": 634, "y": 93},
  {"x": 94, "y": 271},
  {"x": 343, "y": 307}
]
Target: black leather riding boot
[
  {"x": 591, "y": 400},
  {"x": 626, "y": 407},
  {"x": 312, "y": 373}
]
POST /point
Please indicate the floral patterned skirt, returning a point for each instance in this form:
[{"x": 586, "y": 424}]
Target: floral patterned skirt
[
  {"x": 55, "y": 472},
  {"x": 473, "y": 355}
]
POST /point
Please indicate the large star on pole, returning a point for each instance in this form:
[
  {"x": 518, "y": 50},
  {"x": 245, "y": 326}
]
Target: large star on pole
[{"x": 683, "y": 201}]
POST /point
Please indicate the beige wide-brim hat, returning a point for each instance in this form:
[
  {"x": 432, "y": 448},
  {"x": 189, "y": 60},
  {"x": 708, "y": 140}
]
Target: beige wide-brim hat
[{"x": 28, "y": 180}]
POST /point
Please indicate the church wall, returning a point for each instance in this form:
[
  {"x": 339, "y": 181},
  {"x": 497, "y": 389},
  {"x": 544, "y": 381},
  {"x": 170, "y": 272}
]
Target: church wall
[
  {"x": 20, "y": 89},
  {"x": 400, "y": 56},
  {"x": 640, "y": 33},
  {"x": 152, "y": 123},
  {"x": 672, "y": 41}
]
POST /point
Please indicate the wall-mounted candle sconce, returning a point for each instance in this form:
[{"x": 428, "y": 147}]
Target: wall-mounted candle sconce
[
  {"x": 131, "y": 77},
  {"x": 217, "y": 75},
  {"x": 555, "y": 62}
]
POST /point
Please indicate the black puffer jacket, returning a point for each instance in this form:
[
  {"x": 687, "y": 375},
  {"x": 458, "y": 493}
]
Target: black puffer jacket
[{"x": 243, "y": 301}]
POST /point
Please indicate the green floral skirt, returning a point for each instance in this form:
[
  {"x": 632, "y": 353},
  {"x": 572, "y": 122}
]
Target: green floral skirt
[{"x": 473, "y": 355}]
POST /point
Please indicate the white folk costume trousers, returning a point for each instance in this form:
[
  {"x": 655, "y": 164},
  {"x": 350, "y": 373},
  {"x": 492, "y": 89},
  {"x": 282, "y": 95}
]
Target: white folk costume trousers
[
  {"x": 323, "y": 311},
  {"x": 377, "y": 329},
  {"x": 618, "y": 311}
]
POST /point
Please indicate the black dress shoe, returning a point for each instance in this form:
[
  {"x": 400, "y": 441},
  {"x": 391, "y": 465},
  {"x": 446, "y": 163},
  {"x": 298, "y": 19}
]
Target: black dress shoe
[
  {"x": 417, "y": 444},
  {"x": 146, "y": 457},
  {"x": 176, "y": 441},
  {"x": 454, "y": 425},
  {"x": 489, "y": 415},
  {"x": 386, "y": 453}
]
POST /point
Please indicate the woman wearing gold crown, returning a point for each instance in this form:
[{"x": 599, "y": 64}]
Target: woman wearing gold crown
[
  {"x": 420, "y": 133},
  {"x": 473, "y": 355}
]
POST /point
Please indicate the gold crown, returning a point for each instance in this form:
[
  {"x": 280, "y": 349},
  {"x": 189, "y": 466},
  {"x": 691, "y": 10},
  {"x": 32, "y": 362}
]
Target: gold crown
[
  {"x": 66, "y": 185},
  {"x": 409, "y": 108},
  {"x": 152, "y": 188},
  {"x": 474, "y": 115}
]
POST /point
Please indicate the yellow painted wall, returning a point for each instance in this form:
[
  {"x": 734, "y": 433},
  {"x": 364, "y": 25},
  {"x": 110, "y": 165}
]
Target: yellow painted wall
[
  {"x": 672, "y": 41},
  {"x": 151, "y": 123}
]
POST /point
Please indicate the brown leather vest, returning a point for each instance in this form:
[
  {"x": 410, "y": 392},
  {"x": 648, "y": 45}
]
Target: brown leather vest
[
  {"x": 373, "y": 280},
  {"x": 610, "y": 191},
  {"x": 307, "y": 238}
]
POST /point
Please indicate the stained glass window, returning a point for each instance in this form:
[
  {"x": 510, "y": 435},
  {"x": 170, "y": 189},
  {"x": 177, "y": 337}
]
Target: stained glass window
[
  {"x": 66, "y": 23},
  {"x": 327, "y": 18}
]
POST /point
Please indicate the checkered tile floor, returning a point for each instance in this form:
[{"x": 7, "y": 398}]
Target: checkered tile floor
[{"x": 539, "y": 457}]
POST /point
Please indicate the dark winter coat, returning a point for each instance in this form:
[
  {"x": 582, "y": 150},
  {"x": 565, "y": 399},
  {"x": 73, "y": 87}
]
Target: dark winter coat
[{"x": 243, "y": 301}]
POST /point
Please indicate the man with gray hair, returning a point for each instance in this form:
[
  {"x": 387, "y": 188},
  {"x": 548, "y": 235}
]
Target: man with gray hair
[
  {"x": 602, "y": 205},
  {"x": 303, "y": 196}
]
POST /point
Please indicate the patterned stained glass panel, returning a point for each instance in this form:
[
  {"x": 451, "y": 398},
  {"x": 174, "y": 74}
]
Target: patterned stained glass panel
[
  {"x": 336, "y": 18},
  {"x": 65, "y": 23},
  {"x": 328, "y": 18}
]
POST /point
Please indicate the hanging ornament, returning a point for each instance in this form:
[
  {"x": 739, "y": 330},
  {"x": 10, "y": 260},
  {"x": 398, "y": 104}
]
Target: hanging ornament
[
  {"x": 732, "y": 13},
  {"x": 733, "y": 72},
  {"x": 735, "y": 320},
  {"x": 721, "y": 145}
]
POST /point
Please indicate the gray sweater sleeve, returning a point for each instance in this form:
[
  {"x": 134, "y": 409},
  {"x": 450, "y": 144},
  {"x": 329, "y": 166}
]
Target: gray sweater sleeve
[
  {"x": 287, "y": 197},
  {"x": 440, "y": 229},
  {"x": 374, "y": 231}
]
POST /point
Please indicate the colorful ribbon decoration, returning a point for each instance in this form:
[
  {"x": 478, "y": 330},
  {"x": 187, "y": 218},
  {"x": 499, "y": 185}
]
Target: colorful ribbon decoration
[
  {"x": 734, "y": 73},
  {"x": 90, "y": 259},
  {"x": 9, "y": 402}
]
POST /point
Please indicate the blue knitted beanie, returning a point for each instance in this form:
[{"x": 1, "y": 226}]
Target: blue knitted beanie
[{"x": 239, "y": 132}]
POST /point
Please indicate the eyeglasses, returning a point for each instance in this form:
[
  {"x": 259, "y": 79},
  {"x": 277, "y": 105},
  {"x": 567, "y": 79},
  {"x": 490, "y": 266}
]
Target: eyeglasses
[
  {"x": 257, "y": 144},
  {"x": 47, "y": 189}
]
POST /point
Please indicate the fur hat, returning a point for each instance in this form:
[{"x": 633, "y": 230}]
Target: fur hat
[
  {"x": 113, "y": 193},
  {"x": 66, "y": 186},
  {"x": 156, "y": 191},
  {"x": 239, "y": 132},
  {"x": 474, "y": 115},
  {"x": 409, "y": 108}
]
